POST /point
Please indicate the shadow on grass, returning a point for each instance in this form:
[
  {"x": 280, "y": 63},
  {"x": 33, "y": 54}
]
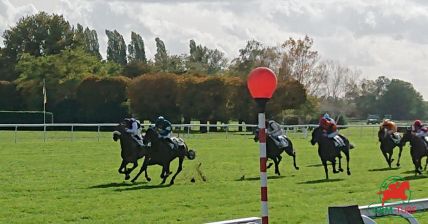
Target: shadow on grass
[
  {"x": 409, "y": 172},
  {"x": 321, "y": 181},
  {"x": 413, "y": 177},
  {"x": 113, "y": 185},
  {"x": 314, "y": 165},
  {"x": 258, "y": 178},
  {"x": 144, "y": 187},
  {"x": 384, "y": 169}
]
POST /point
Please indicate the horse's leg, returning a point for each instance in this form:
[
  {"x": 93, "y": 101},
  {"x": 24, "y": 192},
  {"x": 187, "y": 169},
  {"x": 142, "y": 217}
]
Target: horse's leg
[
  {"x": 426, "y": 163},
  {"x": 269, "y": 165},
  {"x": 415, "y": 163},
  {"x": 390, "y": 158},
  {"x": 162, "y": 174},
  {"x": 143, "y": 168},
  {"x": 333, "y": 164},
  {"x": 146, "y": 175},
  {"x": 386, "y": 158},
  {"x": 324, "y": 163},
  {"x": 122, "y": 166},
  {"x": 292, "y": 153},
  {"x": 348, "y": 171},
  {"x": 340, "y": 163},
  {"x": 128, "y": 171},
  {"x": 180, "y": 167},
  {"x": 275, "y": 160},
  {"x": 399, "y": 155}
]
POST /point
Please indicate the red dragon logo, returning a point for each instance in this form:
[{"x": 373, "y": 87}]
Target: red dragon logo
[{"x": 395, "y": 190}]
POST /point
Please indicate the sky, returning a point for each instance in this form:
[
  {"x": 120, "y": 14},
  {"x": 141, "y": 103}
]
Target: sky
[{"x": 381, "y": 37}]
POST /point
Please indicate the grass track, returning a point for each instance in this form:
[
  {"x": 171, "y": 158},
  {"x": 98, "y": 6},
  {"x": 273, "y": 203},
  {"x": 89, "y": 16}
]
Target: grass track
[{"x": 77, "y": 182}]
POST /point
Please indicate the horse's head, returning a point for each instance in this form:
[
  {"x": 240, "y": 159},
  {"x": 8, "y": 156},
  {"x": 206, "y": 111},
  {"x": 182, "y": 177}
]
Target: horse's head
[
  {"x": 407, "y": 136},
  {"x": 316, "y": 134},
  {"x": 150, "y": 135},
  {"x": 381, "y": 134},
  {"x": 119, "y": 130}
]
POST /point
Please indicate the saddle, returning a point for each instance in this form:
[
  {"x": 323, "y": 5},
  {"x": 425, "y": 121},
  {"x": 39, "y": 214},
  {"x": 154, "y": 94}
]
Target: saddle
[
  {"x": 338, "y": 141},
  {"x": 281, "y": 141},
  {"x": 396, "y": 138},
  {"x": 176, "y": 142}
]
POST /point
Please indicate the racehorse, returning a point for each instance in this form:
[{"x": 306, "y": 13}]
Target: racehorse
[
  {"x": 162, "y": 153},
  {"x": 273, "y": 152},
  {"x": 327, "y": 151},
  {"x": 418, "y": 149},
  {"x": 131, "y": 151},
  {"x": 387, "y": 145}
]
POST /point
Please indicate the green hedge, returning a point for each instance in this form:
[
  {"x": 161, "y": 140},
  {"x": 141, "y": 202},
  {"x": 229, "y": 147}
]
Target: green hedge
[{"x": 24, "y": 117}]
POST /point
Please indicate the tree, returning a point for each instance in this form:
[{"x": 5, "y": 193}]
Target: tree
[
  {"x": 116, "y": 47},
  {"x": 402, "y": 101},
  {"x": 97, "y": 95},
  {"x": 161, "y": 56},
  {"x": 37, "y": 35},
  {"x": 300, "y": 62},
  {"x": 62, "y": 72},
  {"x": 204, "y": 60},
  {"x": 254, "y": 55},
  {"x": 91, "y": 42},
  {"x": 88, "y": 39},
  {"x": 152, "y": 95},
  {"x": 136, "y": 49},
  {"x": 10, "y": 98},
  {"x": 200, "y": 99}
]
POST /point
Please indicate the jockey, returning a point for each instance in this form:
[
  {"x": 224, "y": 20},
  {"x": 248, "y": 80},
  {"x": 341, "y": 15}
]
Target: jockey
[
  {"x": 164, "y": 128},
  {"x": 275, "y": 131},
  {"x": 391, "y": 130},
  {"x": 134, "y": 129},
  {"x": 329, "y": 128},
  {"x": 420, "y": 130}
]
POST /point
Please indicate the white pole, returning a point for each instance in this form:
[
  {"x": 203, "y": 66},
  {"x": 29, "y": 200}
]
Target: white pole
[{"x": 263, "y": 175}]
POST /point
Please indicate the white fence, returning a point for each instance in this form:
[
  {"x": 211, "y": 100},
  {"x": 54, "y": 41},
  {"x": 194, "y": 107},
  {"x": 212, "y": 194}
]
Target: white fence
[{"x": 184, "y": 129}]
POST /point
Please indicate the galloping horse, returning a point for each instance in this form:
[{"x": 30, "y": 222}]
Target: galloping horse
[
  {"x": 130, "y": 150},
  {"x": 273, "y": 152},
  {"x": 418, "y": 150},
  {"x": 327, "y": 151},
  {"x": 387, "y": 145},
  {"x": 161, "y": 153}
]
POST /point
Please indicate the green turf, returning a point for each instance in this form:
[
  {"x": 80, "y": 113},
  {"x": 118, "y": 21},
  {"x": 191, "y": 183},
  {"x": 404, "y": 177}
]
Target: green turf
[{"x": 65, "y": 181}]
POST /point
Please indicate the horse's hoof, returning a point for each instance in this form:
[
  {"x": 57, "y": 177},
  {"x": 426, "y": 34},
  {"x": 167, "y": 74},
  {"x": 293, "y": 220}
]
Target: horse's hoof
[
  {"x": 127, "y": 177},
  {"x": 132, "y": 181},
  {"x": 297, "y": 168},
  {"x": 335, "y": 171},
  {"x": 349, "y": 172},
  {"x": 340, "y": 169},
  {"x": 149, "y": 179},
  {"x": 171, "y": 183},
  {"x": 398, "y": 165}
]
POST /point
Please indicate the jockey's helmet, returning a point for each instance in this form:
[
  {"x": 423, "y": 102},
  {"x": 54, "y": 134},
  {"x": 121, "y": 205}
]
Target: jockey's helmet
[
  {"x": 327, "y": 116},
  {"x": 417, "y": 123}
]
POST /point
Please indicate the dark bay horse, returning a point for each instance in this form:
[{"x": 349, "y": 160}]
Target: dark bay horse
[
  {"x": 131, "y": 151},
  {"x": 327, "y": 151},
  {"x": 161, "y": 153},
  {"x": 387, "y": 145},
  {"x": 418, "y": 150},
  {"x": 273, "y": 152}
]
